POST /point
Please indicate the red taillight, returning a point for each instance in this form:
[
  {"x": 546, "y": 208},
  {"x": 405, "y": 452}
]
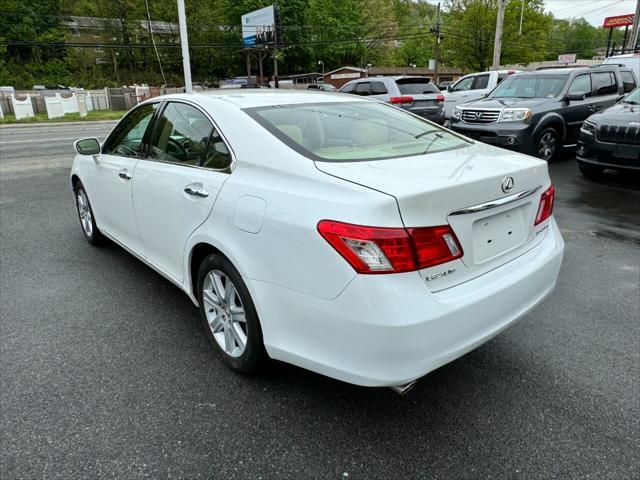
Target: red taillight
[
  {"x": 440, "y": 98},
  {"x": 545, "y": 209},
  {"x": 391, "y": 250},
  {"x": 401, "y": 100},
  {"x": 435, "y": 245}
]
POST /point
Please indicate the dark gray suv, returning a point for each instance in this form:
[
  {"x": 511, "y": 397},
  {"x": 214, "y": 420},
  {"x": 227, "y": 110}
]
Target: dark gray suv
[{"x": 538, "y": 112}]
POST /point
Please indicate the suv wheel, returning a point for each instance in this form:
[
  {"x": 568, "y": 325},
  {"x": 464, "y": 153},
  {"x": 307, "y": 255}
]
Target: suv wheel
[
  {"x": 589, "y": 171},
  {"x": 546, "y": 145}
]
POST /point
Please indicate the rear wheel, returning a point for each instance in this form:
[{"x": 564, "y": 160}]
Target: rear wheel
[
  {"x": 228, "y": 314},
  {"x": 86, "y": 217},
  {"x": 590, "y": 172},
  {"x": 547, "y": 144}
]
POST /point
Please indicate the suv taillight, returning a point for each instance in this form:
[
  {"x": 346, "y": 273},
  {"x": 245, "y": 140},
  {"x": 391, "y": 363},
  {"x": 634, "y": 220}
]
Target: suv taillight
[
  {"x": 401, "y": 100},
  {"x": 391, "y": 250},
  {"x": 545, "y": 208}
]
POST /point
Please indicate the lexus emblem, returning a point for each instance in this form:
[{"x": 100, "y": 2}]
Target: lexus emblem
[{"x": 507, "y": 184}]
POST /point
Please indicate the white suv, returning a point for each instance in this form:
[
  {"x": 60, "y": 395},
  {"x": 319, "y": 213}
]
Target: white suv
[{"x": 472, "y": 87}]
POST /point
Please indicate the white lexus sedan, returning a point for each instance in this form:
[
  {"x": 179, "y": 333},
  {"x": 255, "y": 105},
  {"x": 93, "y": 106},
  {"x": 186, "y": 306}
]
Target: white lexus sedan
[{"x": 339, "y": 234}]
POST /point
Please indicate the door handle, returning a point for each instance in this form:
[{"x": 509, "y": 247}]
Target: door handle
[
  {"x": 592, "y": 107},
  {"x": 196, "y": 190},
  {"x": 124, "y": 174}
]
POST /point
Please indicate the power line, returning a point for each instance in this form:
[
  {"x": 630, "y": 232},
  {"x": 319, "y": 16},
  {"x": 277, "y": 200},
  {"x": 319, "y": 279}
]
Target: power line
[{"x": 146, "y": 2}]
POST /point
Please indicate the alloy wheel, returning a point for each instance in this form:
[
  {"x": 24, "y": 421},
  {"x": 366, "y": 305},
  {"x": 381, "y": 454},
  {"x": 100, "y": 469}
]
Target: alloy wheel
[
  {"x": 225, "y": 313},
  {"x": 547, "y": 146},
  {"x": 84, "y": 211}
]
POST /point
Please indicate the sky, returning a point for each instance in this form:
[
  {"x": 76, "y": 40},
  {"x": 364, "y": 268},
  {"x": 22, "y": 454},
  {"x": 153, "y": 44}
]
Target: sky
[{"x": 594, "y": 11}]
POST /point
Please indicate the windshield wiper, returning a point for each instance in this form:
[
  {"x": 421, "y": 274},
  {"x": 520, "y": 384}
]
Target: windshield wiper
[
  {"x": 438, "y": 135},
  {"x": 426, "y": 132},
  {"x": 631, "y": 102}
]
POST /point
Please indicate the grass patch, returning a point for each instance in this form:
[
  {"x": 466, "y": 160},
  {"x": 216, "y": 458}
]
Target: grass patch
[{"x": 69, "y": 117}]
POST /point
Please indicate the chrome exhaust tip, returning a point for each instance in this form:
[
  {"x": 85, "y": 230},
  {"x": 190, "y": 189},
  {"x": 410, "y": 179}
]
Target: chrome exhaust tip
[{"x": 404, "y": 389}]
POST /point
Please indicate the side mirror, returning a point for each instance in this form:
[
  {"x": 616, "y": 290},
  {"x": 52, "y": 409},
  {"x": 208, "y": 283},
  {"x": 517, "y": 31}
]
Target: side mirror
[
  {"x": 87, "y": 146},
  {"x": 449, "y": 88},
  {"x": 574, "y": 97}
]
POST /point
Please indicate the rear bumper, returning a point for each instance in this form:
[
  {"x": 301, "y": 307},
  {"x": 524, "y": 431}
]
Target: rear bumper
[
  {"x": 385, "y": 330},
  {"x": 434, "y": 114},
  {"x": 594, "y": 153},
  {"x": 513, "y": 136}
]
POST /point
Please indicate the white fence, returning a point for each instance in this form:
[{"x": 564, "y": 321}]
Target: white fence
[
  {"x": 54, "y": 106},
  {"x": 22, "y": 108}
]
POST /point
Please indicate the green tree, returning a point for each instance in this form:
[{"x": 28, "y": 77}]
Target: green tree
[{"x": 470, "y": 30}]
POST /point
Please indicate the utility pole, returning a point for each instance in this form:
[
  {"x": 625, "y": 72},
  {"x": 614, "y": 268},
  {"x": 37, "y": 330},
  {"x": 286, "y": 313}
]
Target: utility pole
[
  {"x": 632, "y": 41},
  {"x": 184, "y": 43},
  {"x": 436, "y": 55},
  {"x": 521, "y": 15},
  {"x": 497, "y": 45}
]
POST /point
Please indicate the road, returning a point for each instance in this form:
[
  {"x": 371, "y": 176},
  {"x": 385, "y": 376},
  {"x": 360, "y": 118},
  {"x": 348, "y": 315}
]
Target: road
[
  {"x": 24, "y": 147},
  {"x": 106, "y": 372}
]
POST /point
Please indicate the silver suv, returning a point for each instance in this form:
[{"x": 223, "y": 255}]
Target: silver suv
[{"x": 416, "y": 94}]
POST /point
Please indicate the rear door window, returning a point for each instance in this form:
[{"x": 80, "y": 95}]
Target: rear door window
[
  {"x": 628, "y": 80},
  {"x": 604, "y": 83},
  {"x": 480, "y": 82},
  {"x": 378, "y": 88},
  {"x": 362, "y": 88}
]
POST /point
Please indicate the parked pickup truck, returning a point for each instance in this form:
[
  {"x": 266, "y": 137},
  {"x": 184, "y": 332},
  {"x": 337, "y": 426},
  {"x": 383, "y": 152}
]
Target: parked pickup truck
[{"x": 472, "y": 87}]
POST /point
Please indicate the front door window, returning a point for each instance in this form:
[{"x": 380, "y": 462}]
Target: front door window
[{"x": 126, "y": 140}]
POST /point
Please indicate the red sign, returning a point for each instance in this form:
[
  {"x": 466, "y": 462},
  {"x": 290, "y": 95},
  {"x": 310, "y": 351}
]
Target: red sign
[{"x": 618, "y": 21}]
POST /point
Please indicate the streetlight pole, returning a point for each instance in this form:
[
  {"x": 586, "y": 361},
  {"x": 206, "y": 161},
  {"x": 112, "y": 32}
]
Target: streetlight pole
[
  {"x": 184, "y": 43},
  {"x": 521, "y": 15},
  {"x": 632, "y": 41},
  {"x": 497, "y": 44},
  {"x": 319, "y": 63}
]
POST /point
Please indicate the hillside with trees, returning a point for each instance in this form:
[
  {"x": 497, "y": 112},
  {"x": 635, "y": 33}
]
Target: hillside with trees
[{"x": 92, "y": 43}]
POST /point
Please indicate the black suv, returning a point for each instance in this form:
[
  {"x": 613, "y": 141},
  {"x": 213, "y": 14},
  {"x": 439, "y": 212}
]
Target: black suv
[
  {"x": 611, "y": 139},
  {"x": 537, "y": 112}
]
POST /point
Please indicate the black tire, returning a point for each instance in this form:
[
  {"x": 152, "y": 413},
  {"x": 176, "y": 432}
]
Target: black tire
[
  {"x": 254, "y": 355},
  {"x": 547, "y": 144},
  {"x": 590, "y": 172},
  {"x": 87, "y": 219}
]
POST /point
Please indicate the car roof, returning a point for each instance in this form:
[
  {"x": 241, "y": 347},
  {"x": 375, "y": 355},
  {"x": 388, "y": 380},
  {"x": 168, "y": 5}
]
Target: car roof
[{"x": 262, "y": 97}]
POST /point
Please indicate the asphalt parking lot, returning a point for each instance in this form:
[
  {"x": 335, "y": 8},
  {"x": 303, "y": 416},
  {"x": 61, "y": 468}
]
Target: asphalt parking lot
[{"x": 105, "y": 372}]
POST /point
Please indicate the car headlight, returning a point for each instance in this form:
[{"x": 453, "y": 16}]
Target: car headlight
[
  {"x": 588, "y": 127},
  {"x": 515, "y": 115},
  {"x": 457, "y": 113}
]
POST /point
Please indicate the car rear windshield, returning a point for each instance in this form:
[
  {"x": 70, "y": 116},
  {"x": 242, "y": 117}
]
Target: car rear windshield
[
  {"x": 353, "y": 131},
  {"x": 416, "y": 86},
  {"x": 530, "y": 86}
]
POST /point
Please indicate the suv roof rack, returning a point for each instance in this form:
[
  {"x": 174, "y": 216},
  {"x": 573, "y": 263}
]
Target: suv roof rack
[
  {"x": 560, "y": 67},
  {"x": 608, "y": 65}
]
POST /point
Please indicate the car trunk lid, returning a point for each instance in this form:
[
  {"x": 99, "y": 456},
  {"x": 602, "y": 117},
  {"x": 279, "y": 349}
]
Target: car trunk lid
[{"x": 462, "y": 188}]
